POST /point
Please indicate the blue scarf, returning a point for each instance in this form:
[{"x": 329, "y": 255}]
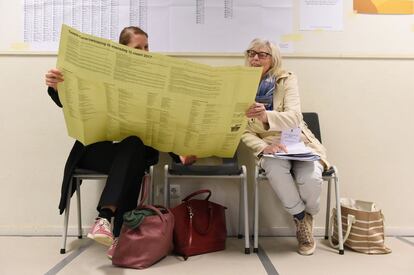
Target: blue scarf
[{"x": 265, "y": 91}]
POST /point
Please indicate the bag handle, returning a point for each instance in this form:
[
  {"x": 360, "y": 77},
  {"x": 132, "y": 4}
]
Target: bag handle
[
  {"x": 350, "y": 221},
  {"x": 155, "y": 208},
  {"x": 191, "y": 213},
  {"x": 144, "y": 190},
  {"x": 197, "y": 193},
  {"x": 191, "y": 216}
]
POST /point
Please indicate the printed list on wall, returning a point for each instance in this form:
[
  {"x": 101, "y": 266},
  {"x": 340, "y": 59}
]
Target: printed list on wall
[{"x": 173, "y": 25}]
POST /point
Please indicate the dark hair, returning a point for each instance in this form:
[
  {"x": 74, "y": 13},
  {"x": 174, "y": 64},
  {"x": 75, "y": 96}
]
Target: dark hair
[{"x": 127, "y": 32}]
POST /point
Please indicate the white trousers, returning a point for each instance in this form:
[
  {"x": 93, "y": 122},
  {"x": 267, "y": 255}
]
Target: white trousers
[{"x": 296, "y": 183}]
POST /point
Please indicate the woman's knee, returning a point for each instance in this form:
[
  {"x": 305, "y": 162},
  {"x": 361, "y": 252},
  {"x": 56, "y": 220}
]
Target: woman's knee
[
  {"x": 133, "y": 144},
  {"x": 132, "y": 140},
  {"x": 275, "y": 166},
  {"x": 309, "y": 175},
  {"x": 309, "y": 179}
]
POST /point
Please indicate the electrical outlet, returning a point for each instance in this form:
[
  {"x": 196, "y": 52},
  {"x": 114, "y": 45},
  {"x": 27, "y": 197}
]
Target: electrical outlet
[{"x": 175, "y": 191}]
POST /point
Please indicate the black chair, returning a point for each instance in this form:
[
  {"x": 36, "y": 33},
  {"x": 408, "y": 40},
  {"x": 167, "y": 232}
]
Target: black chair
[
  {"x": 330, "y": 175},
  {"x": 229, "y": 169}
]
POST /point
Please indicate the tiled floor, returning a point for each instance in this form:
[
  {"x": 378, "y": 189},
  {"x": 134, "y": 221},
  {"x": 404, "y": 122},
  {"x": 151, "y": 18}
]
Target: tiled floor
[{"x": 39, "y": 255}]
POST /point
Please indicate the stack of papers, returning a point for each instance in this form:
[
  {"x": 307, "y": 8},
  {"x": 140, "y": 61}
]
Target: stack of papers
[{"x": 296, "y": 151}]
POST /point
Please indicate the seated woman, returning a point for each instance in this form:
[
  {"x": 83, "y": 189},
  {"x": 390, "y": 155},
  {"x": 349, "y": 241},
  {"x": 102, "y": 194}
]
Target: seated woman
[
  {"x": 125, "y": 162},
  {"x": 296, "y": 183}
]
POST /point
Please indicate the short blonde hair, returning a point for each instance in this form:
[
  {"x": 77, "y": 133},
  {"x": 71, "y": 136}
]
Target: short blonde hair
[{"x": 276, "y": 67}]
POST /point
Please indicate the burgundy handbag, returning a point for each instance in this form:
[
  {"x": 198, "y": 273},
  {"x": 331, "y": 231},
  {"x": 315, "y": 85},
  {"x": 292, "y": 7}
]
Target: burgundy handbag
[
  {"x": 200, "y": 226},
  {"x": 148, "y": 243}
]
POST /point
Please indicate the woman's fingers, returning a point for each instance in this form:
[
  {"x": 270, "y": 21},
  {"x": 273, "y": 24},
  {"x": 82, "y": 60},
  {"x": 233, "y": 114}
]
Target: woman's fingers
[
  {"x": 255, "y": 110},
  {"x": 283, "y": 148},
  {"x": 56, "y": 71},
  {"x": 53, "y": 77},
  {"x": 275, "y": 148}
]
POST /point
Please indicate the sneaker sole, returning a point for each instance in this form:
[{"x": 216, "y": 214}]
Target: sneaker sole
[
  {"x": 308, "y": 252},
  {"x": 100, "y": 238}
]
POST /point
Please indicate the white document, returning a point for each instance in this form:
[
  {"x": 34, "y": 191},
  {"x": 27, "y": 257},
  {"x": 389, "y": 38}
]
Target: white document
[
  {"x": 291, "y": 136},
  {"x": 321, "y": 15},
  {"x": 296, "y": 151}
]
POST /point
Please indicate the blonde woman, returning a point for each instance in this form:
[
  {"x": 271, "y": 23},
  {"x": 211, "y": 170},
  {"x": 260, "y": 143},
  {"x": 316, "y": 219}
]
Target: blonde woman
[{"x": 277, "y": 108}]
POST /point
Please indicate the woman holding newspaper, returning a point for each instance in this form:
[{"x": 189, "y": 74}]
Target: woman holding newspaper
[
  {"x": 275, "y": 125},
  {"x": 124, "y": 162}
]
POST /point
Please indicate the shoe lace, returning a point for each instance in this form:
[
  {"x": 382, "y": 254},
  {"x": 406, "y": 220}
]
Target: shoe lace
[
  {"x": 304, "y": 234},
  {"x": 103, "y": 223}
]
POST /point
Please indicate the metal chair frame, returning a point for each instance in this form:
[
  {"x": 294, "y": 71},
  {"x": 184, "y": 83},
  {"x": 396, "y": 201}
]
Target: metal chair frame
[
  {"x": 330, "y": 175},
  {"x": 77, "y": 177},
  {"x": 213, "y": 172}
]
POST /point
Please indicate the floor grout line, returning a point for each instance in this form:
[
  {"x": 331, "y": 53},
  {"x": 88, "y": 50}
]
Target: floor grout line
[
  {"x": 267, "y": 264},
  {"x": 64, "y": 262},
  {"x": 405, "y": 240}
]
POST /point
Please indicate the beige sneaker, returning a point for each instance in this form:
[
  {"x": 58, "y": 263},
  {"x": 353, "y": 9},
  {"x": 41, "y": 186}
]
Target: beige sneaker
[{"x": 304, "y": 234}]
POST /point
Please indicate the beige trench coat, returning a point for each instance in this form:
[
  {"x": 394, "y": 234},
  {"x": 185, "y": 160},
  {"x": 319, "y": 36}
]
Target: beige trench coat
[{"x": 286, "y": 115}]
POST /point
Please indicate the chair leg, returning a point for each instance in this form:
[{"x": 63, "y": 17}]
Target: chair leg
[
  {"x": 166, "y": 188},
  {"x": 241, "y": 198},
  {"x": 256, "y": 212},
  {"x": 338, "y": 213},
  {"x": 246, "y": 213},
  {"x": 328, "y": 208},
  {"x": 66, "y": 219},
  {"x": 78, "y": 196},
  {"x": 151, "y": 187}
]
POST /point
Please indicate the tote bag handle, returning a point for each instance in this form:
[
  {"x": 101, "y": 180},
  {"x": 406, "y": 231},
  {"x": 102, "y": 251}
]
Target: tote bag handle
[{"x": 350, "y": 221}]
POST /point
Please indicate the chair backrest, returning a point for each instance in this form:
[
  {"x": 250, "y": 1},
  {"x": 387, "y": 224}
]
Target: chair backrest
[{"x": 312, "y": 120}]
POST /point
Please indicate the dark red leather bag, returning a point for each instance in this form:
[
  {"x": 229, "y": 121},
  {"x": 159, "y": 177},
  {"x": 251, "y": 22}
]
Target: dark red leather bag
[
  {"x": 145, "y": 245},
  {"x": 200, "y": 226}
]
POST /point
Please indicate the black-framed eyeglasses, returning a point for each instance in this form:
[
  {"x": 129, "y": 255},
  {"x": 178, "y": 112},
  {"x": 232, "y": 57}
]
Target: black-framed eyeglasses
[{"x": 261, "y": 55}]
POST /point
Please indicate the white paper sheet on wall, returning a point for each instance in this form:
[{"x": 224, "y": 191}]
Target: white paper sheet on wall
[
  {"x": 173, "y": 25},
  {"x": 321, "y": 15}
]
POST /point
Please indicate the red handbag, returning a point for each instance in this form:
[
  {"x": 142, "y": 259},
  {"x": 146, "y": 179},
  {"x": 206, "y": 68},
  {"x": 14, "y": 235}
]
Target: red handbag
[
  {"x": 200, "y": 226},
  {"x": 148, "y": 243}
]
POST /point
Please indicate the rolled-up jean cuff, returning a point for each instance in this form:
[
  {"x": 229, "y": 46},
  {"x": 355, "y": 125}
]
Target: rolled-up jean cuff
[{"x": 298, "y": 208}]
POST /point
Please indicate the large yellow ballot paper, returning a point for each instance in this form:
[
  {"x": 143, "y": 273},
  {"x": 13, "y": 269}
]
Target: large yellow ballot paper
[{"x": 112, "y": 91}]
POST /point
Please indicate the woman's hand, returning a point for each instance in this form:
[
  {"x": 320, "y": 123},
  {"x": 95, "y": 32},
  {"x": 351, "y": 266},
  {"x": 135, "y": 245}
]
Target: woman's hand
[
  {"x": 53, "y": 77},
  {"x": 275, "y": 148},
  {"x": 257, "y": 110},
  {"x": 188, "y": 160}
]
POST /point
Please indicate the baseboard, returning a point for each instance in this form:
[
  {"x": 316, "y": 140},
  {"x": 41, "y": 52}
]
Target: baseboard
[
  {"x": 320, "y": 231},
  {"x": 40, "y": 231},
  {"x": 275, "y": 231}
]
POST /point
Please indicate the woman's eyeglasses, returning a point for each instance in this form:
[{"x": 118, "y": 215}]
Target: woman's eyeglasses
[{"x": 261, "y": 55}]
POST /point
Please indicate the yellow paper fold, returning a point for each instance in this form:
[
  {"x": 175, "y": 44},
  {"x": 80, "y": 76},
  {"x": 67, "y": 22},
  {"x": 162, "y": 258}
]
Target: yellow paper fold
[{"x": 112, "y": 91}]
